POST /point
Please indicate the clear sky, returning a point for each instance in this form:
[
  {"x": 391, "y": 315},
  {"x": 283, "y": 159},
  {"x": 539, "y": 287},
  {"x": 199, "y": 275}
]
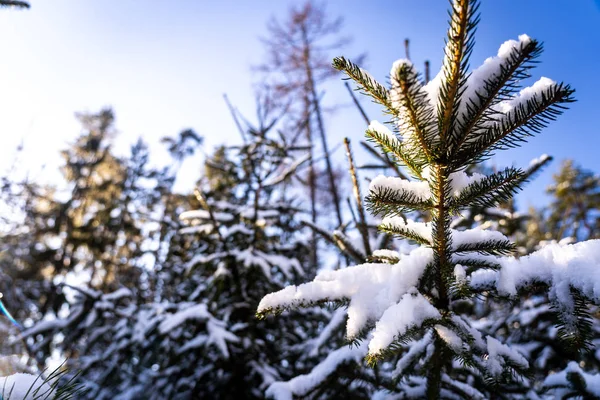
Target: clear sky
[{"x": 164, "y": 65}]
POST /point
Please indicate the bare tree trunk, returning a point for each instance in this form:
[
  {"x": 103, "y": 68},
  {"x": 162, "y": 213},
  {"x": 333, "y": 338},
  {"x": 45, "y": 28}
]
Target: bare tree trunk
[
  {"x": 317, "y": 109},
  {"x": 312, "y": 182}
]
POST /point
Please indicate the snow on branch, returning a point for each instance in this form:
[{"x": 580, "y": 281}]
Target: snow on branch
[
  {"x": 217, "y": 332},
  {"x": 304, "y": 384},
  {"x": 369, "y": 288},
  {"x": 411, "y": 311},
  {"x": 570, "y": 378},
  {"x": 561, "y": 266}
]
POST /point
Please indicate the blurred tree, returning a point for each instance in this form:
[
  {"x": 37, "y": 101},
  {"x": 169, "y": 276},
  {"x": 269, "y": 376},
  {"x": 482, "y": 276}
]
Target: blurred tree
[
  {"x": 97, "y": 232},
  {"x": 298, "y": 64},
  {"x": 198, "y": 337},
  {"x": 574, "y": 209}
]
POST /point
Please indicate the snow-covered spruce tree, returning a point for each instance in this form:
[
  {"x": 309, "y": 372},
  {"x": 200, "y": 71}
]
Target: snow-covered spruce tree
[
  {"x": 199, "y": 337},
  {"x": 457, "y": 119},
  {"x": 248, "y": 232}
]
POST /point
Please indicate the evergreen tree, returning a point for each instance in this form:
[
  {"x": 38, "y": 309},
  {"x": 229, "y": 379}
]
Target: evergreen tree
[
  {"x": 411, "y": 307},
  {"x": 573, "y": 211},
  {"x": 95, "y": 231},
  {"x": 198, "y": 338}
]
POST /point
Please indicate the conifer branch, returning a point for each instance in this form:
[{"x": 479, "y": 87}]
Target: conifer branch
[
  {"x": 474, "y": 264},
  {"x": 396, "y": 149},
  {"x": 463, "y": 21},
  {"x": 403, "y": 232},
  {"x": 575, "y": 328},
  {"x": 415, "y": 114},
  {"x": 362, "y": 226},
  {"x": 490, "y": 191},
  {"x": 512, "y": 128},
  {"x": 367, "y": 83},
  {"x": 389, "y": 163},
  {"x": 390, "y": 202},
  {"x": 496, "y": 88},
  {"x": 487, "y": 247},
  {"x": 347, "y": 248}
]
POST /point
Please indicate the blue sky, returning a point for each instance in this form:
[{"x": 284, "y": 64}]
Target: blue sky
[{"x": 163, "y": 66}]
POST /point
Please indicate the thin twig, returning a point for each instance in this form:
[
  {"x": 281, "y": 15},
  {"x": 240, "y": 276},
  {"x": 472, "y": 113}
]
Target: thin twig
[{"x": 362, "y": 226}]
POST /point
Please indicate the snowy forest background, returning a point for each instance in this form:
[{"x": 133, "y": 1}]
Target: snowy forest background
[{"x": 148, "y": 291}]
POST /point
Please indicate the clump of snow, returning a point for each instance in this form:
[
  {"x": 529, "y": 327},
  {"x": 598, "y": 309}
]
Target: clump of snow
[
  {"x": 460, "y": 274},
  {"x": 539, "y": 160},
  {"x": 459, "y": 180},
  {"x": 490, "y": 68},
  {"x": 384, "y": 131},
  {"x": 410, "y": 311},
  {"x": 497, "y": 353},
  {"x": 432, "y": 88},
  {"x": 419, "y": 189},
  {"x": 370, "y": 288},
  {"x": 303, "y": 384},
  {"x": 415, "y": 349},
  {"x": 385, "y": 253},
  {"x": 217, "y": 332},
  {"x": 560, "y": 379},
  {"x": 25, "y": 387},
  {"x": 337, "y": 318},
  {"x": 527, "y": 94},
  {"x": 205, "y": 215},
  {"x": 396, "y": 94},
  {"x": 449, "y": 337},
  {"x": 475, "y": 235},
  {"x": 561, "y": 266}
]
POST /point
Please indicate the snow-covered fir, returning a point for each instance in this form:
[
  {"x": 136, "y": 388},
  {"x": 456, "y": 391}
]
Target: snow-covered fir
[{"x": 412, "y": 310}]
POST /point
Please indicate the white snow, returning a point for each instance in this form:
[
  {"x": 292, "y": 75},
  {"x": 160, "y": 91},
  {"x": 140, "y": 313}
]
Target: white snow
[
  {"x": 337, "y": 318},
  {"x": 395, "y": 94},
  {"x": 592, "y": 381},
  {"x": 196, "y": 312},
  {"x": 415, "y": 349},
  {"x": 560, "y": 265},
  {"x": 423, "y": 229},
  {"x": 497, "y": 353},
  {"x": 460, "y": 274},
  {"x": 217, "y": 332},
  {"x": 527, "y": 94},
  {"x": 384, "y": 131},
  {"x": 205, "y": 215},
  {"x": 410, "y": 311},
  {"x": 539, "y": 160},
  {"x": 370, "y": 288},
  {"x": 303, "y": 384},
  {"x": 202, "y": 229},
  {"x": 450, "y": 337},
  {"x": 420, "y": 189},
  {"x": 287, "y": 171},
  {"x": 475, "y": 235},
  {"x": 432, "y": 88},
  {"x": 459, "y": 180},
  {"x": 386, "y": 254},
  {"x": 490, "y": 68},
  {"x": 24, "y": 387}
]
